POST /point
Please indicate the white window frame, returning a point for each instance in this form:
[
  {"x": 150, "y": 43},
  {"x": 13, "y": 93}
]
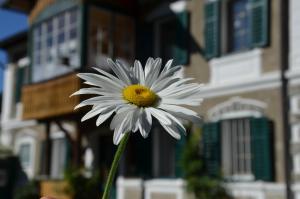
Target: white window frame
[
  {"x": 296, "y": 163},
  {"x": 295, "y": 104},
  {"x": 27, "y": 138},
  {"x": 232, "y": 131},
  {"x": 69, "y": 47},
  {"x": 295, "y": 133}
]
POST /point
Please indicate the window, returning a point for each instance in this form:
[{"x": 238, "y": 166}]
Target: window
[
  {"x": 58, "y": 159},
  {"x": 295, "y": 133},
  {"x": 166, "y": 33},
  {"x": 109, "y": 35},
  {"x": 240, "y": 149},
  {"x": 54, "y": 41},
  {"x": 236, "y": 148},
  {"x": 24, "y": 154},
  {"x": 238, "y": 25},
  {"x": 235, "y": 25},
  {"x": 296, "y": 165},
  {"x": 171, "y": 38}
]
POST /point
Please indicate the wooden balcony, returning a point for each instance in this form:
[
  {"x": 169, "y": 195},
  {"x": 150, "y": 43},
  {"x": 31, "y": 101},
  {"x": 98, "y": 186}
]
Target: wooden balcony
[{"x": 50, "y": 99}]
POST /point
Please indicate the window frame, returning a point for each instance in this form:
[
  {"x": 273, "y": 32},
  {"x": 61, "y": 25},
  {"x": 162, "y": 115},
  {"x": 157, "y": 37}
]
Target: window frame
[
  {"x": 232, "y": 170},
  {"x": 225, "y": 38},
  {"x": 27, "y": 137},
  {"x": 157, "y": 29},
  {"x": 57, "y": 49}
]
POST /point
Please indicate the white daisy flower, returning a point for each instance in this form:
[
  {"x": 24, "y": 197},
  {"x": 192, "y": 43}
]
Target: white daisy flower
[{"x": 136, "y": 95}]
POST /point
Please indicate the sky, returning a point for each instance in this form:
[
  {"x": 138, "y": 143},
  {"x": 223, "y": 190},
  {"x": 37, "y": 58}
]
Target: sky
[{"x": 10, "y": 23}]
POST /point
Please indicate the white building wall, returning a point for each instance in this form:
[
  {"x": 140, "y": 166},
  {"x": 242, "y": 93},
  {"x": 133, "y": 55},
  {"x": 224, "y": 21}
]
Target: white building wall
[
  {"x": 176, "y": 189},
  {"x": 7, "y": 103},
  {"x": 295, "y": 34}
]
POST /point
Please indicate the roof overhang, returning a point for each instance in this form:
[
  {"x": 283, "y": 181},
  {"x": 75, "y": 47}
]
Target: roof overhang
[
  {"x": 13, "y": 40},
  {"x": 24, "y": 6}
]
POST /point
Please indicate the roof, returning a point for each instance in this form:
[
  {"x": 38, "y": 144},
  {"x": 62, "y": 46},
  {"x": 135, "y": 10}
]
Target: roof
[
  {"x": 13, "y": 40},
  {"x": 17, "y": 5}
]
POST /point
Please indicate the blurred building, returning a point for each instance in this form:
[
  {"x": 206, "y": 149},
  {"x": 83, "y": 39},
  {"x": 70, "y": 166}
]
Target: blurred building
[{"x": 232, "y": 46}]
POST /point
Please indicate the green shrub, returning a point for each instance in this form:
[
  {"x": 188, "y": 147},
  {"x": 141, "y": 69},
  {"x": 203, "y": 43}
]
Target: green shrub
[
  {"x": 82, "y": 187},
  {"x": 28, "y": 191},
  {"x": 198, "y": 182}
]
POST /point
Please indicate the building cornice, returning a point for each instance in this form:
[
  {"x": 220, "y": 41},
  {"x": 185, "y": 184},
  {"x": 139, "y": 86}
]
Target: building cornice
[{"x": 266, "y": 81}]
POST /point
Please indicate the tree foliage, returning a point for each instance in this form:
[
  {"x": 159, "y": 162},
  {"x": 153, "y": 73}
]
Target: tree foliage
[
  {"x": 199, "y": 182},
  {"x": 81, "y": 186}
]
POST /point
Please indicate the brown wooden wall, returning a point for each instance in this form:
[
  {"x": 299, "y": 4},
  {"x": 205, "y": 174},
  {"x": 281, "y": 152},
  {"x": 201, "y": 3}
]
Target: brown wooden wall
[{"x": 51, "y": 98}]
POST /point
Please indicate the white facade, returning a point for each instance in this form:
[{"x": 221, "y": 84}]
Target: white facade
[
  {"x": 16, "y": 134},
  {"x": 176, "y": 188}
]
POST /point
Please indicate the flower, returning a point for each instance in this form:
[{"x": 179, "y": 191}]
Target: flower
[{"x": 136, "y": 95}]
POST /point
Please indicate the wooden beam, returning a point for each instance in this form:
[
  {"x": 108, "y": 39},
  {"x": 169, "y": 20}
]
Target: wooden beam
[
  {"x": 48, "y": 150},
  {"x": 65, "y": 131}
]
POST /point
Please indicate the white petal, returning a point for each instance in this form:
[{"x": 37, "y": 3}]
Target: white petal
[
  {"x": 176, "y": 122},
  {"x": 119, "y": 71},
  {"x": 193, "y": 118},
  {"x": 96, "y": 91},
  {"x": 110, "y": 76},
  {"x": 152, "y": 76},
  {"x": 148, "y": 66},
  {"x": 134, "y": 120},
  {"x": 176, "y": 84},
  {"x": 159, "y": 115},
  {"x": 100, "y": 81},
  {"x": 175, "y": 108},
  {"x": 100, "y": 99},
  {"x": 102, "y": 103},
  {"x": 145, "y": 122},
  {"x": 180, "y": 102},
  {"x": 170, "y": 72},
  {"x": 117, "y": 137},
  {"x": 121, "y": 129},
  {"x": 92, "y": 113},
  {"x": 167, "y": 65},
  {"x": 139, "y": 72},
  {"x": 103, "y": 117},
  {"x": 156, "y": 87},
  {"x": 192, "y": 88},
  {"x": 121, "y": 113},
  {"x": 172, "y": 130}
]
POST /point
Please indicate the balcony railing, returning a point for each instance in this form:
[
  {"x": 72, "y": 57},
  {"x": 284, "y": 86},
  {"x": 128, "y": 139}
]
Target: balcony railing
[{"x": 51, "y": 98}]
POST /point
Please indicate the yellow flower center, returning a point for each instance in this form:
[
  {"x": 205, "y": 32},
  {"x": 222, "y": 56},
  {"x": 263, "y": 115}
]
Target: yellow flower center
[{"x": 139, "y": 95}]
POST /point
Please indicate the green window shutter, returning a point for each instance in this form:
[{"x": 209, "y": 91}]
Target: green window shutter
[
  {"x": 180, "y": 49},
  {"x": 19, "y": 83},
  {"x": 212, "y": 148},
  {"x": 68, "y": 155},
  {"x": 259, "y": 22},
  {"x": 212, "y": 29},
  {"x": 179, "y": 147},
  {"x": 261, "y": 149}
]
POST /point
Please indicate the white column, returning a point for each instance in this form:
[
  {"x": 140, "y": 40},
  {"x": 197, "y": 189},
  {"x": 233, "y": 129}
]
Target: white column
[{"x": 7, "y": 102}]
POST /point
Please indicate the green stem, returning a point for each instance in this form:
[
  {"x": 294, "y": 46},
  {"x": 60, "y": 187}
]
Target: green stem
[{"x": 114, "y": 165}]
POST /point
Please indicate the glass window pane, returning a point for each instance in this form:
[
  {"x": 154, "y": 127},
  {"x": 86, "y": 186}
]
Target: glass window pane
[
  {"x": 38, "y": 31},
  {"x": 61, "y": 37},
  {"x": 37, "y": 58},
  {"x": 73, "y": 16},
  {"x": 24, "y": 154},
  {"x": 50, "y": 26},
  {"x": 49, "y": 41},
  {"x": 239, "y": 26},
  {"x": 73, "y": 33},
  {"x": 61, "y": 21}
]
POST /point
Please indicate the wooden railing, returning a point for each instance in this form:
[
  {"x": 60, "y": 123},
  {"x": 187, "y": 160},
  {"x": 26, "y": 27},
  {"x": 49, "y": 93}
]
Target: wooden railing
[{"x": 51, "y": 98}]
